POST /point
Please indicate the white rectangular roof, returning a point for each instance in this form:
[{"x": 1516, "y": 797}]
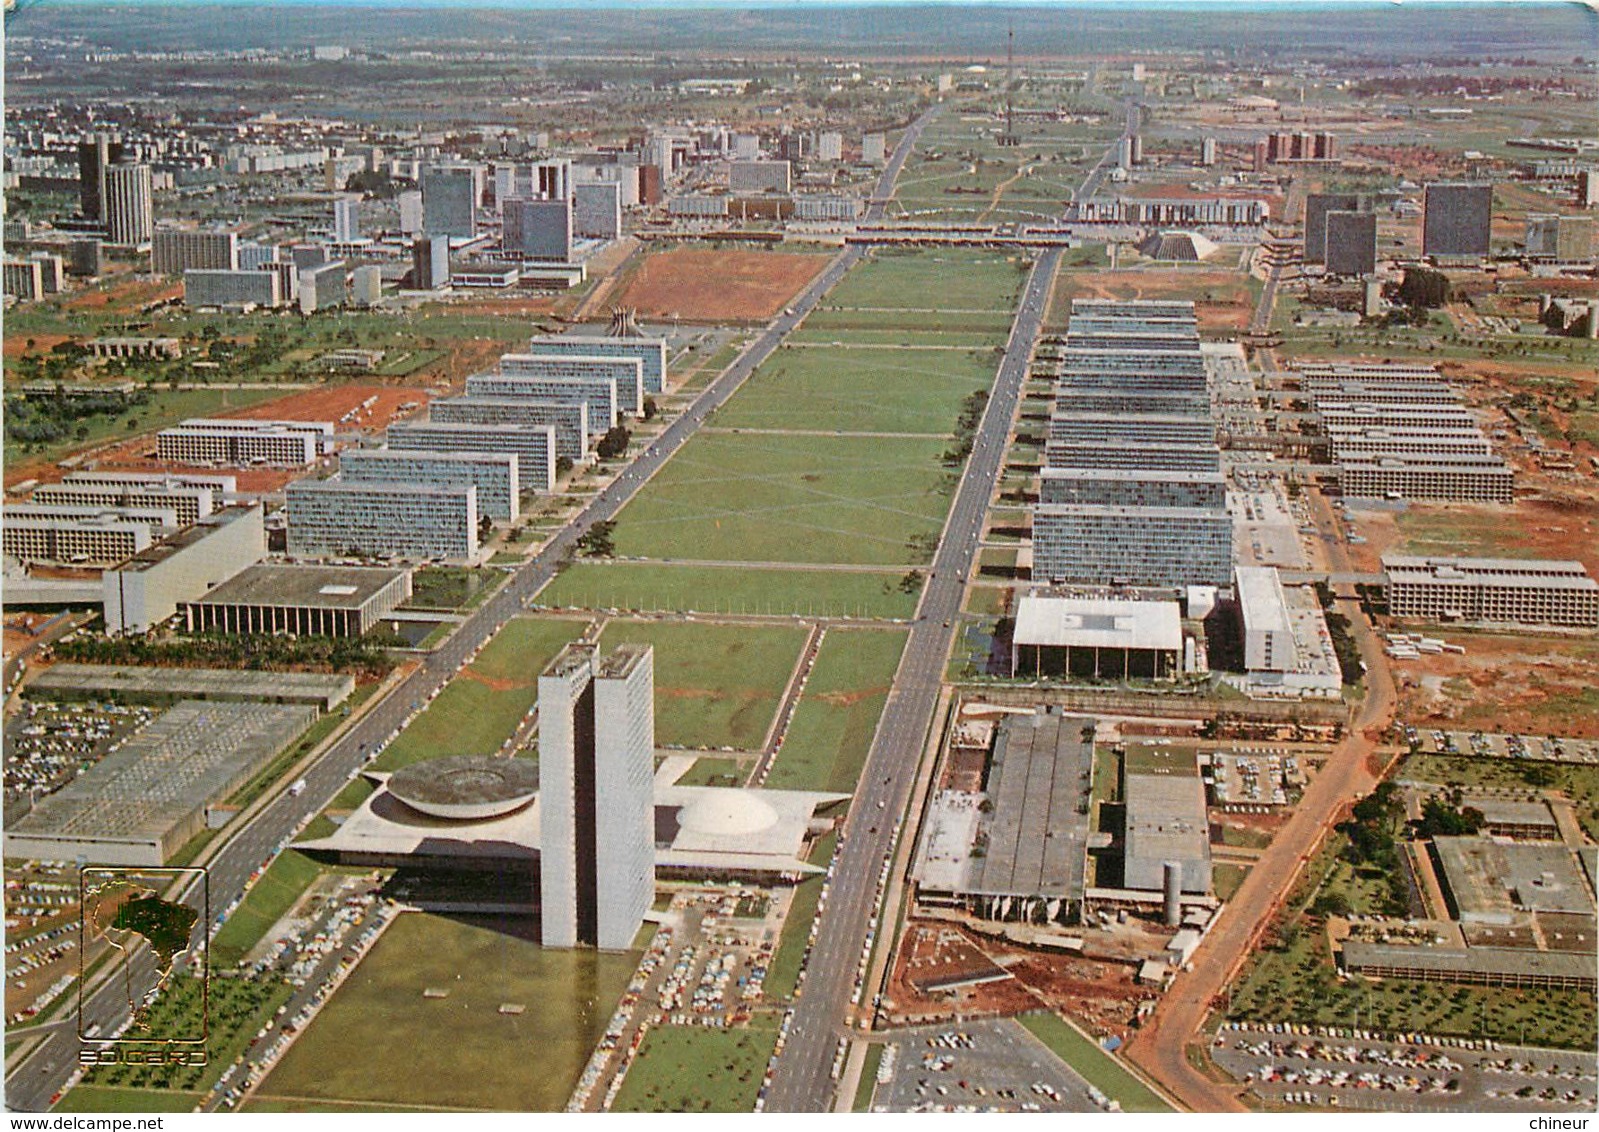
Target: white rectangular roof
[{"x": 1099, "y": 623}]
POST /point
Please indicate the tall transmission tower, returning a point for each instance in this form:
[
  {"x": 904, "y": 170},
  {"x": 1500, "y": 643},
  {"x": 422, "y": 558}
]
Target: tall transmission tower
[{"x": 1009, "y": 137}]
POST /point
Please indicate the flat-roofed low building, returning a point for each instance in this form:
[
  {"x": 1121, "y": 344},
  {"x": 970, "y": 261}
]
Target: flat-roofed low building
[
  {"x": 121, "y": 346},
  {"x": 336, "y": 518},
  {"x": 1451, "y": 477},
  {"x": 300, "y": 600},
  {"x": 1096, "y": 637},
  {"x": 145, "y": 590},
  {"x": 190, "y": 504},
  {"x": 532, "y": 445},
  {"x": 1478, "y": 966},
  {"x": 1031, "y": 820},
  {"x": 133, "y": 684},
  {"x": 220, "y": 486},
  {"x": 283, "y": 443},
  {"x": 145, "y": 800},
  {"x": 1519, "y": 821},
  {"x": 493, "y": 473},
  {"x": 570, "y": 421},
  {"x": 1512, "y": 591},
  {"x": 1499, "y": 883},
  {"x": 609, "y": 388},
  {"x": 1166, "y": 820},
  {"x": 102, "y": 540},
  {"x": 160, "y": 520}
]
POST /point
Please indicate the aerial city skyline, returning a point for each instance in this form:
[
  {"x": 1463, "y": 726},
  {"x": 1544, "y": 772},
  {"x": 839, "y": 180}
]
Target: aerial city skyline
[{"x": 875, "y": 558}]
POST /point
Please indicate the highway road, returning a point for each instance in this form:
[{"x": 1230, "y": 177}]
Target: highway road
[
  {"x": 802, "y": 1081},
  {"x": 44, "y": 1072}
]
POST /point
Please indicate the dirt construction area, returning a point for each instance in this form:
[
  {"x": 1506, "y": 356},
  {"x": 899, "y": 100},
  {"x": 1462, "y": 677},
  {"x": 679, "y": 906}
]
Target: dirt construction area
[
  {"x": 1223, "y": 300},
  {"x": 351, "y": 408},
  {"x": 1518, "y": 683},
  {"x": 703, "y": 285}
]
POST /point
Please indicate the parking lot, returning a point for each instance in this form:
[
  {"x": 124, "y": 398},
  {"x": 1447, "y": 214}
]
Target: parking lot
[
  {"x": 1318, "y": 1067},
  {"x": 1496, "y": 746},
  {"x": 989, "y": 1066},
  {"x": 48, "y": 744}
]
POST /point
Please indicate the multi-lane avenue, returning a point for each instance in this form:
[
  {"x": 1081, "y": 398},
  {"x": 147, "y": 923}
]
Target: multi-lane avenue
[{"x": 44, "y": 1072}]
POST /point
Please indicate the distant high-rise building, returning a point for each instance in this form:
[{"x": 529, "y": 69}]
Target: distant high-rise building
[
  {"x": 410, "y": 203},
  {"x": 874, "y": 149},
  {"x": 322, "y": 287},
  {"x": 649, "y": 184},
  {"x": 1456, "y": 219},
  {"x": 1317, "y": 206},
  {"x": 366, "y": 286},
  {"x": 1137, "y": 148},
  {"x": 85, "y": 257},
  {"x": 538, "y": 229},
  {"x": 252, "y": 256},
  {"x": 829, "y": 146},
  {"x": 129, "y": 205},
  {"x": 95, "y": 156},
  {"x": 1124, "y": 153},
  {"x": 596, "y": 770},
  {"x": 746, "y": 147},
  {"x": 1351, "y": 239},
  {"x": 1587, "y": 188},
  {"x": 1207, "y": 151},
  {"x": 174, "y": 252},
  {"x": 430, "y": 262},
  {"x": 597, "y": 210},
  {"x": 449, "y": 202},
  {"x": 308, "y": 255},
  {"x": 346, "y": 219},
  {"x": 1543, "y": 231}
]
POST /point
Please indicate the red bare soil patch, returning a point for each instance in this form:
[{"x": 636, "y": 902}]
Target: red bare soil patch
[
  {"x": 16, "y": 345},
  {"x": 718, "y": 286},
  {"x": 330, "y": 403}
]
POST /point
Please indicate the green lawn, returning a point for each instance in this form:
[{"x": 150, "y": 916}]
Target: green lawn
[
  {"x": 1096, "y": 1066},
  {"x": 746, "y": 498},
  {"x": 868, "y": 1082},
  {"x": 657, "y": 587},
  {"x": 986, "y": 323},
  {"x": 708, "y": 771},
  {"x": 783, "y": 974},
  {"x": 273, "y": 894},
  {"x": 860, "y": 391},
  {"x": 106, "y": 1098},
  {"x": 715, "y": 685},
  {"x": 945, "y": 277},
  {"x": 831, "y": 732},
  {"x": 697, "y": 1069},
  {"x": 481, "y": 707},
  {"x": 378, "y": 1040}
]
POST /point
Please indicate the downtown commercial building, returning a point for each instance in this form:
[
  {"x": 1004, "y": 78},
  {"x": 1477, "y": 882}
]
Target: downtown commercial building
[
  {"x": 533, "y": 446},
  {"x": 336, "y": 518},
  {"x": 100, "y": 540},
  {"x": 1456, "y": 220},
  {"x": 1503, "y": 591},
  {"x": 494, "y": 474},
  {"x": 172, "y": 252}
]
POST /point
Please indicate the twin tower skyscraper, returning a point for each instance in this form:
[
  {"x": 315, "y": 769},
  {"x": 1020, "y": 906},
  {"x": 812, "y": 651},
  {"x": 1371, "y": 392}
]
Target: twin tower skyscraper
[{"x": 596, "y": 795}]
